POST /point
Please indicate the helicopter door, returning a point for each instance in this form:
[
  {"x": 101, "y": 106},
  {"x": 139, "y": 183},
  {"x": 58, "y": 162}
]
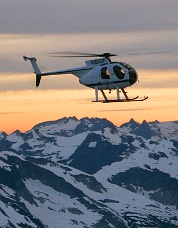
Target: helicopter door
[{"x": 105, "y": 73}]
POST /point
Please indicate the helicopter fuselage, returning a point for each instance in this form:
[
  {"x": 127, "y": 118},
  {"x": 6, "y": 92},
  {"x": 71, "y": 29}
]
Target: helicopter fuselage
[{"x": 110, "y": 76}]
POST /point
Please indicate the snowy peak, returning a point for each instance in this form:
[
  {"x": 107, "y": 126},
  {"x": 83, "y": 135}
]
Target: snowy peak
[
  {"x": 71, "y": 126},
  {"x": 94, "y": 124},
  {"x": 149, "y": 130},
  {"x": 2, "y": 135},
  {"x": 63, "y": 127},
  {"x": 144, "y": 130},
  {"x": 90, "y": 173},
  {"x": 130, "y": 126}
]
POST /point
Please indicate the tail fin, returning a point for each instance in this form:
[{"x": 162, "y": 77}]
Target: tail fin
[{"x": 35, "y": 67}]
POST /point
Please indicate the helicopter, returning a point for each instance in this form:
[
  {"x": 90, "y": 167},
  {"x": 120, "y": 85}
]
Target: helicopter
[{"x": 100, "y": 74}]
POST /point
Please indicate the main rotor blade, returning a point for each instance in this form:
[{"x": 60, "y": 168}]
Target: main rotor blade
[
  {"x": 73, "y": 54},
  {"x": 105, "y": 55},
  {"x": 80, "y": 54},
  {"x": 147, "y": 53}
]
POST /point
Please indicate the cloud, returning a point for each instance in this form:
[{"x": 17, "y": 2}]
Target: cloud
[
  {"x": 26, "y": 82},
  {"x": 82, "y": 16},
  {"x": 165, "y": 79},
  {"x": 35, "y": 28},
  {"x": 13, "y": 47},
  {"x": 137, "y": 109},
  {"x": 11, "y": 113}
]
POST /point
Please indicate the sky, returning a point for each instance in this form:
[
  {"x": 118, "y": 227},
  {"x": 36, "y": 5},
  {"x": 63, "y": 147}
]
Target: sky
[{"x": 36, "y": 28}]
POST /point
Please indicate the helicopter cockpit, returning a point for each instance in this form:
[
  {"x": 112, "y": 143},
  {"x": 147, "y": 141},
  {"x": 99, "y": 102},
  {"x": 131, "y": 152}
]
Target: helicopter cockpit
[
  {"x": 132, "y": 73},
  {"x": 117, "y": 68}
]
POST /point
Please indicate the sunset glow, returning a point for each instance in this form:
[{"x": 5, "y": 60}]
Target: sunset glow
[
  {"x": 23, "y": 109},
  {"x": 130, "y": 31}
]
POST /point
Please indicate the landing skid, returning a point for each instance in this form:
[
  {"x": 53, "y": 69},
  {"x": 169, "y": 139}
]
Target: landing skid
[
  {"x": 122, "y": 100},
  {"x": 126, "y": 99}
]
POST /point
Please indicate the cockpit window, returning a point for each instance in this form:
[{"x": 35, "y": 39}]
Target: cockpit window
[
  {"x": 127, "y": 66},
  {"x": 119, "y": 72},
  {"x": 105, "y": 73}
]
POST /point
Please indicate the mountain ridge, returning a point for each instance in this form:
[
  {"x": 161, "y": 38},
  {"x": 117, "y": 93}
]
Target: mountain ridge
[{"x": 90, "y": 173}]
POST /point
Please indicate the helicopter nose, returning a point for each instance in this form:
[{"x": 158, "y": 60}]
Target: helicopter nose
[{"x": 133, "y": 76}]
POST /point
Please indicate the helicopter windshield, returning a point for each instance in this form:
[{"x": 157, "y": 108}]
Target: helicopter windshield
[
  {"x": 127, "y": 66},
  {"x": 119, "y": 72},
  {"x": 132, "y": 72}
]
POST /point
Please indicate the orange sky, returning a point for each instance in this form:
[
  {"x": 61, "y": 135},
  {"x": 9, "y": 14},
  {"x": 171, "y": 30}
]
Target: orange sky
[
  {"x": 23, "y": 106},
  {"x": 23, "y": 109}
]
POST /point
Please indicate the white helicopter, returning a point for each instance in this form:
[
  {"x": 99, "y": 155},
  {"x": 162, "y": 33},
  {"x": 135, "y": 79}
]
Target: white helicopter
[{"x": 99, "y": 74}]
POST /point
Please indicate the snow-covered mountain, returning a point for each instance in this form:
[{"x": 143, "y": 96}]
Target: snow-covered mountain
[{"x": 90, "y": 173}]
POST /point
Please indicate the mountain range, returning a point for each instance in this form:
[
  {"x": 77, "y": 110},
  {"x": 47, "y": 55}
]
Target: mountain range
[{"x": 90, "y": 173}]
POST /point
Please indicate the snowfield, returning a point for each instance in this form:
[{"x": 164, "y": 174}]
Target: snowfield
[{"x": 90, "y": 173}]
